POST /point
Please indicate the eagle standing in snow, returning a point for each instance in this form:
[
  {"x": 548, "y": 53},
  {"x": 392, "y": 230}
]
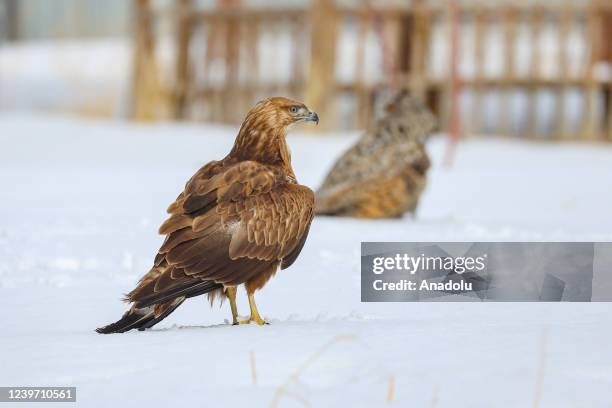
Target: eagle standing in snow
[
  {"x": 237, "y": 220},
  {"x": 383, "y": 174}
]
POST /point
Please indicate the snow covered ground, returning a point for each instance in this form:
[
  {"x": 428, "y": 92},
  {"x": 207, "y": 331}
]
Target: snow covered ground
[{"x": 80, "y": 204}]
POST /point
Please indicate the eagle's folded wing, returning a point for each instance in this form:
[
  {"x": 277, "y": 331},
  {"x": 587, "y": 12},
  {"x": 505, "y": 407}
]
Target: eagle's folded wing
[
  {"x": 272, "y": 225},
  {"x": 226, "y": 227}
]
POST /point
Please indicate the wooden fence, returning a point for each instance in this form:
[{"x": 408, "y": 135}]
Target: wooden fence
[{"x": 540, "y": 71}]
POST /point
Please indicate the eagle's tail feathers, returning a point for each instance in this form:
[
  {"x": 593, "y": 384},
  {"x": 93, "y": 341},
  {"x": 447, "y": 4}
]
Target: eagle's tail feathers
[
  {"x": 188, "y": 290},
  {"x": 141, "y": 318}
]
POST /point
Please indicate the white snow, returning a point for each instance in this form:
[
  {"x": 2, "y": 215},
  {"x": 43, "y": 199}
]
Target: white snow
[{"x": 79, "y": 207}]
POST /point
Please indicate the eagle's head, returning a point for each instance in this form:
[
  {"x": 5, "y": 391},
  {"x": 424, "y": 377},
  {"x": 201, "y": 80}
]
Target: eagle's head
[
  {"x": 262, "y": 134},
  {"x": 279, "y": 113}
]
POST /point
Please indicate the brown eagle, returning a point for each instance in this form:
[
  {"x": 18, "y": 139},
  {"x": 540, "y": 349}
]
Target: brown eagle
[
  {"x": 237, "y": 220},
  {"x": 383, "y": 174}
]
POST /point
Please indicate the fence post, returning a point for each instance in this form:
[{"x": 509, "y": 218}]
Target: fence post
[
  {"x": 413, "y": 51},
  {"x": 590, "y": 89},
  {"x": 12, "y": 20},
  {"x": 232, "y": 60},
  {"x": 606, "y": 13},
  {"x": 145, "y": 92},
  {"x": 321, "y": 86},
  {"x": 181, "y": 89}
]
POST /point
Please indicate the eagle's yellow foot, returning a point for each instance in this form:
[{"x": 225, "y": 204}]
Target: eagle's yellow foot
[
  {"x": 257, "y": 320},
  {"x": 255, "y": 317}
]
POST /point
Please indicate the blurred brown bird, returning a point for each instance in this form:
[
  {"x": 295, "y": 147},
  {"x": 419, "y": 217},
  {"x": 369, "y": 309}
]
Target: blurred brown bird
[
  {"x": 383, "y": 174},
  {"x": 237, "y": 220}
]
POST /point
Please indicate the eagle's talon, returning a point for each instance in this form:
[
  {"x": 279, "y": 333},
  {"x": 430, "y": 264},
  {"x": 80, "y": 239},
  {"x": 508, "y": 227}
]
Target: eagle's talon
[{"x": 258, "y": 320}]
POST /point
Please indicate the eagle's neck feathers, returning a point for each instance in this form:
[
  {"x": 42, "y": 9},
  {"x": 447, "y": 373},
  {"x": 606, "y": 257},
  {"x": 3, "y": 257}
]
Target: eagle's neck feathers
[{"x": 259, "y": 141}]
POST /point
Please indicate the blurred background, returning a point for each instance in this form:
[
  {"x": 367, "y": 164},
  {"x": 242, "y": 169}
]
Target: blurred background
[
  {"x": 108, "y": 107},
  {"x": 528, "y": 69}
]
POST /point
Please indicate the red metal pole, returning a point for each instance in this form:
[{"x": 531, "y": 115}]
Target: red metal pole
[
  {"x": 388, "y": 62},
  {"x": 454, "y": 119}
]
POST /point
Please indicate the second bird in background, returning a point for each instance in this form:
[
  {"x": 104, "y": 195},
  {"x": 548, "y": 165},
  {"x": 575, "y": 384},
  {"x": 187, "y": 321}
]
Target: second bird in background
[{"x": 383, "y": 174}]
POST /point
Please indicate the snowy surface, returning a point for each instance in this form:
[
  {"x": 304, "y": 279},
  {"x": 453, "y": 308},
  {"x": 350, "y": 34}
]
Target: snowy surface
[{"x": 80, "y": 204}]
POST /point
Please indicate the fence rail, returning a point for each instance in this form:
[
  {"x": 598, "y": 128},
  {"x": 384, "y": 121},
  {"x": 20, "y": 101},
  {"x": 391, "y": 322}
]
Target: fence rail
[{"x": 539, "y": 71}]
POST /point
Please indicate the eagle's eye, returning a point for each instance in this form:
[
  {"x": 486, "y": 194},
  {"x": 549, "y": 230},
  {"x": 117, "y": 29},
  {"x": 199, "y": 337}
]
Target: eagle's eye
[{"x": 293, "y": 109}]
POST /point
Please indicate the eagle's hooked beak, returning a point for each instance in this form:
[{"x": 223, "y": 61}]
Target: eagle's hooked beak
[{"x": 313, "y": 117}]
